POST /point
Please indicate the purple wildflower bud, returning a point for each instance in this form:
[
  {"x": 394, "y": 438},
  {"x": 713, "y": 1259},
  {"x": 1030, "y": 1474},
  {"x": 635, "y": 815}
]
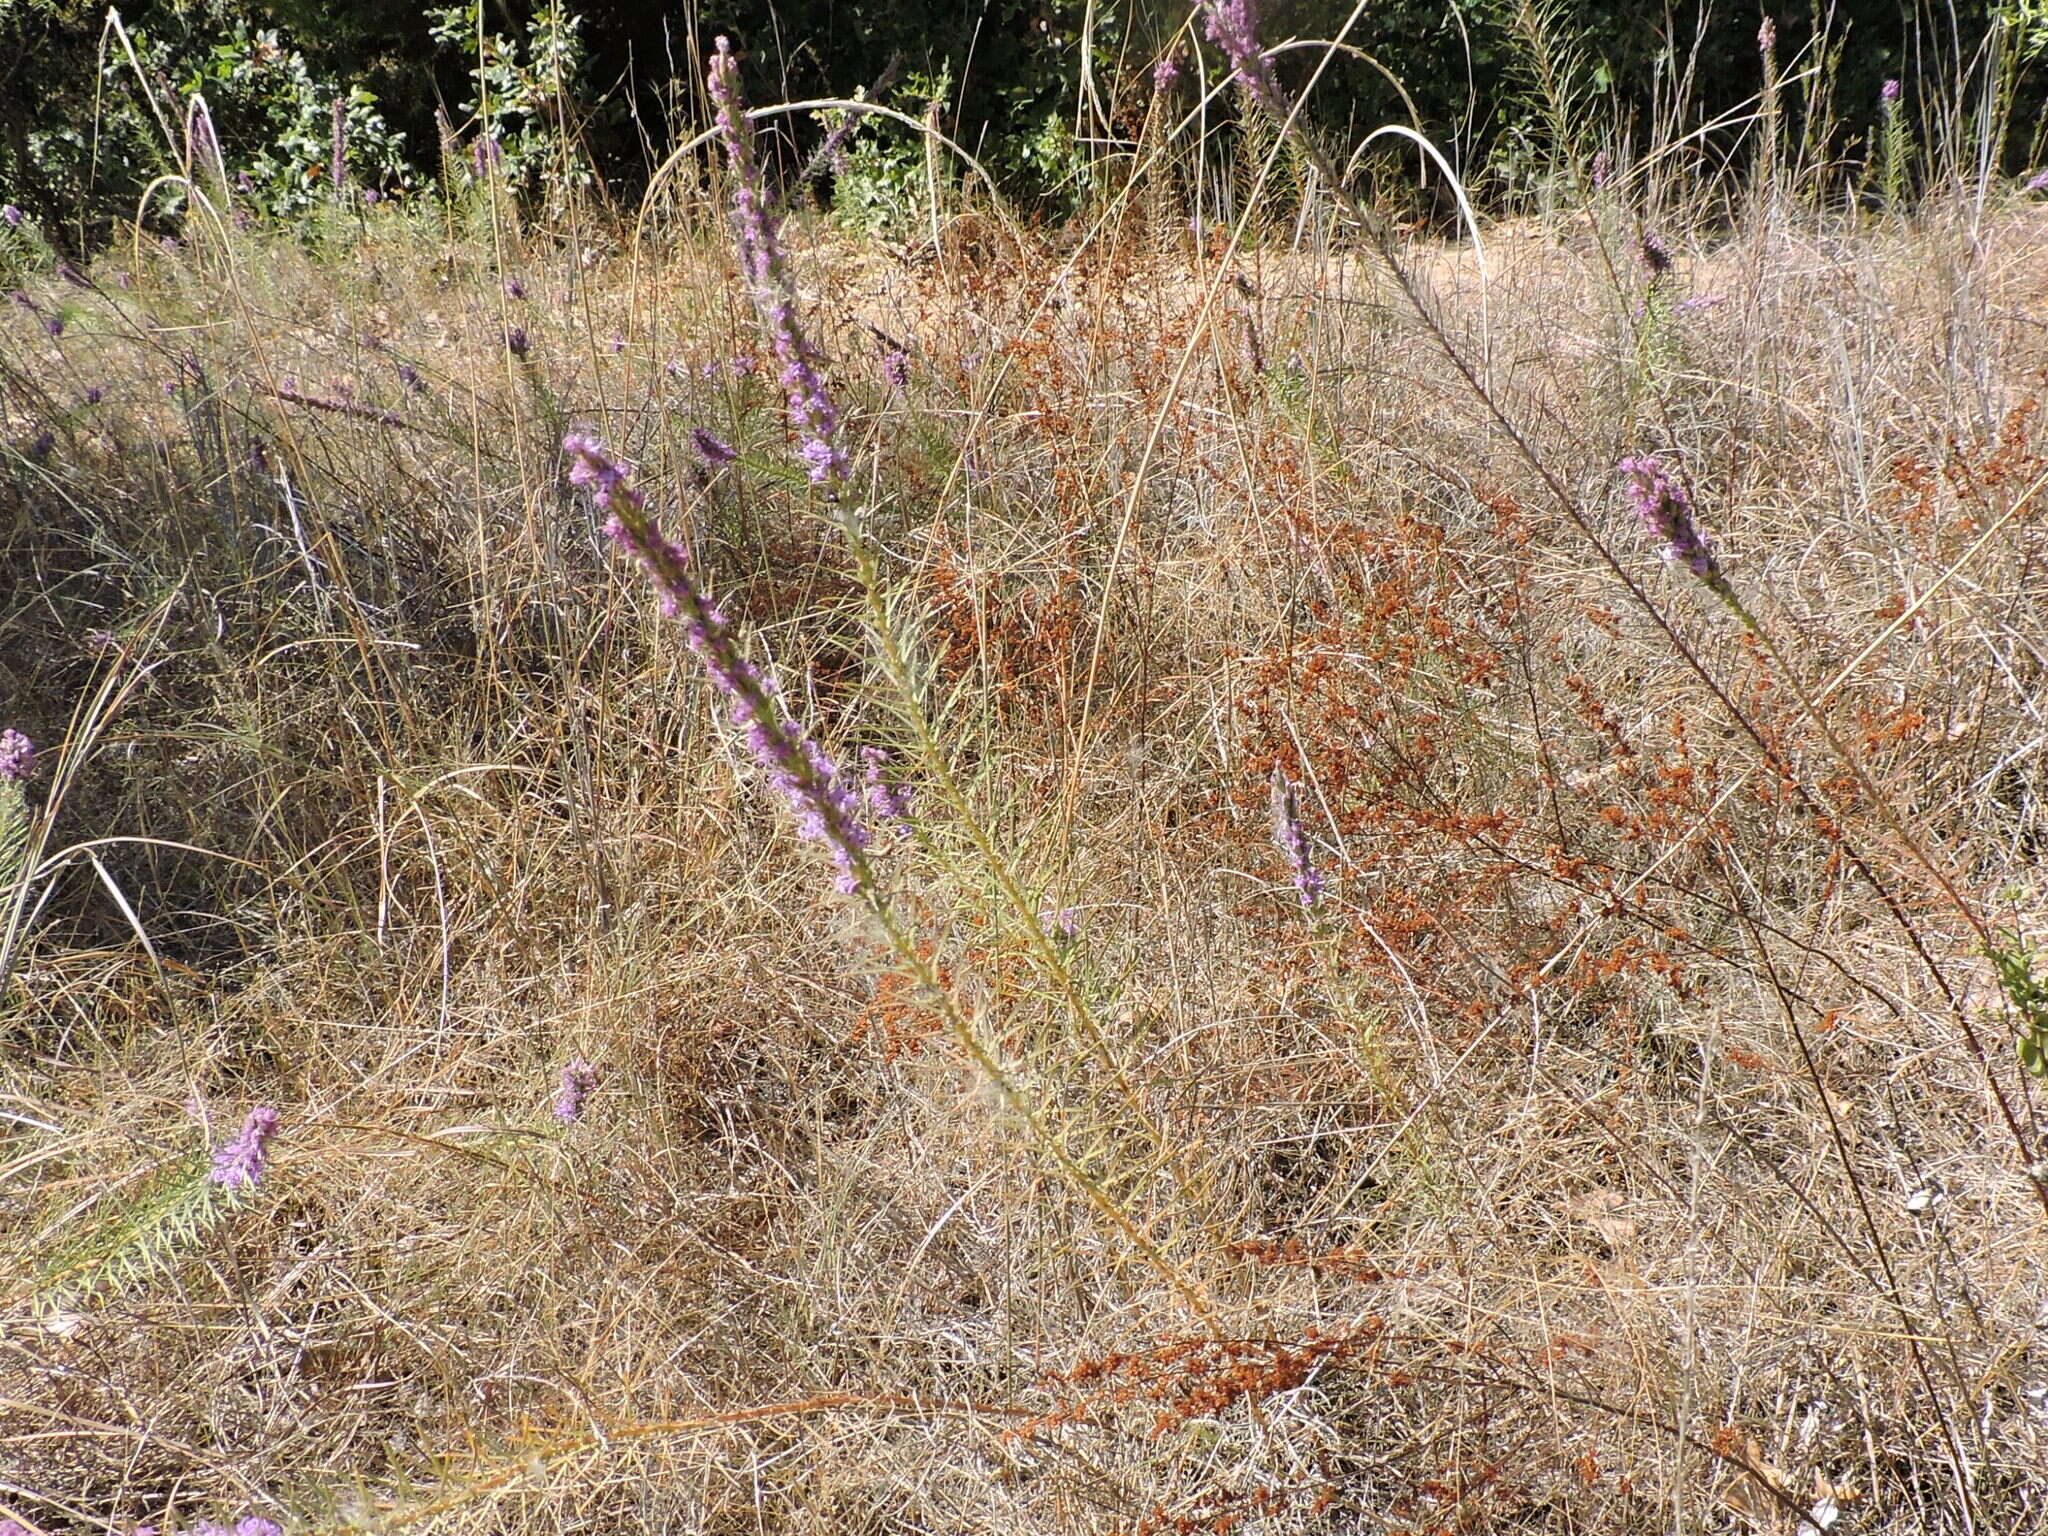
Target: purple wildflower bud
[
  {"x": 744, "y": 366},
  {"x": 1291, "y": 838},
  {"x": 409, "y": 376},
  {"x": 240, "y": 1164},
  {"x": 12, "y": 216},
  {"x": 896, "y": 368},
  {"x": 1603, "y": 165},
  {"x": 1166, "y": 73},
  {"x": 515, "y": 340},
  {"x": 487, "y": 154},
  {"x": 2038, "y": 184},
  {"x": 826, "y": 807},
  {"x": 578, "y": 1078},
  {"x": 95, "y": 394},
  {"x": 712, "y": 450},
  {"x": 1061, "y": 924},
  {"x": 170, "y": 245},
  {"x": 39, "y": 448},
  {"x": 1233, "y": 26},
  {"x": 244, "y": 185},
  {"x": 17, "y": 756},
  {"x": 122, "y": 280},
  {"x": 1890, "y": 92},
  {"x": 256, "y": 1525},
  {"x": 823, "y": 461},
  {"x": 54, "y": 324},
  {"x": 889, "y": 802},
  {"x": 1767, "y": 37},
  {"x": 371, "y": 198},
  {"x": 618, "y": 344},
  {"x": 1656, "y": 254},
  {"x": 514, "y": 288},
  {"x": 1666, "y": 512}
]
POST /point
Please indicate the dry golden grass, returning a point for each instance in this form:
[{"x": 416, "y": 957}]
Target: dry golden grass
[{"x": 1603, "y": 1154}]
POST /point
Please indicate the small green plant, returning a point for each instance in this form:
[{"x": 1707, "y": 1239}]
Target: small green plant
[
  {"x": 276, "y": 121},
  {"x": 882, "y": 184},
  {"x": 137, "y": 1239},
  {"x": 525, "y": 92},
  {"x": 2028, "y": 994}
]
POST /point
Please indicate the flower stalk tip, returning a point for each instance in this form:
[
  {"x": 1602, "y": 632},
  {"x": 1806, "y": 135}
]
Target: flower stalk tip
[
  {"x": 241, "y": 1163},
  {"x": 1665, "y": 511}
]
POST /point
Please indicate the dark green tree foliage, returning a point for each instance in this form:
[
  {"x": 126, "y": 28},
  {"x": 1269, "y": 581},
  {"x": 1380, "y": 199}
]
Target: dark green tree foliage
[{"x": 1011, "y": 67}]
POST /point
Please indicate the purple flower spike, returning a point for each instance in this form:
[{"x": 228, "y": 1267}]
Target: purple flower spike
[
  {"x": 11, "y": 215},
  {"x": 1890, "y": 93},
  {"x": 240, "y": 1164},
  {"x": 890, "y": 802},
  {"x": 896, "y": 368},
  {"x": 578, "y": 1078},
  {"x": 826, "y": 807},
  {"x": 1166, "y": 73},
  {"x": 515, "y": 340},
  {"x": 1291, "y": 838},
  {"x": 514, "y": 288},
  {"x": 712, "y": 450},
  {"x": 766, "y": 270},
  {"x": 1233, "y": 26},
  {"x": 1061, "y": 924},
  {"x": 94, "y": 394},
  {"x": 1666, "y": 512},
  {"x": 17, "y": 756}
]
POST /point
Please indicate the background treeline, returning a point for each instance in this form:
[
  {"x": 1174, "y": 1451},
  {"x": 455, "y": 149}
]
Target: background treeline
[{"x": 595, "y": 93}]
